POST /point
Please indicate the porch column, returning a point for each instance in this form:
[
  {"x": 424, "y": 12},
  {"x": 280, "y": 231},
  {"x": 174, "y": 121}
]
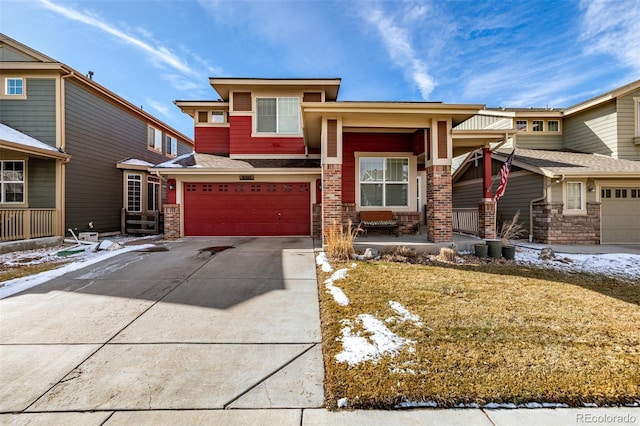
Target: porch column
[
  {"x": 486, "y": 206},
  {"x": 439, "y": 204},
  {"x": 438, "y": 158},
  {"x": 172, "y": 221},
  {"x": 331, "y": 197}
]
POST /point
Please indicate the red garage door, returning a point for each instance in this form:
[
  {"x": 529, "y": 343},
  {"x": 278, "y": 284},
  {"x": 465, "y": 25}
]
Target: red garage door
[{"x": 259, "y": 209}]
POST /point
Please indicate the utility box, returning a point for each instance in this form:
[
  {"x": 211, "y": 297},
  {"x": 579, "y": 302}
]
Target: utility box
[{"x": 88, "y": 236}]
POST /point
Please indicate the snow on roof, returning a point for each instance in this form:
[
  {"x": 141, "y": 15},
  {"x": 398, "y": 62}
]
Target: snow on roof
[
  {"x": 135, "y": 162},
  {"x": 10, "y": 134}
]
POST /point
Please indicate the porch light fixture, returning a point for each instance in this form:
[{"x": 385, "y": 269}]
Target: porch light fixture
[
  {"x": 172, "y": 186},
  {"x": 591, "y": 186}
]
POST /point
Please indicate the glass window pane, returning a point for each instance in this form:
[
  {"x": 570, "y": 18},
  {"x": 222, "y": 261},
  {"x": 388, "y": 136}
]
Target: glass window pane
[
  {"x": 554, "y": 126},
  {"x": 397, "y": 170},
  {"x": 371, "y": 194},
  {"x": 14, "y": 192},
  {"x": 397, "y": 194},
  {"x": 266, "y": 115},
  {"x": 288, "y": 115},
  {"x": 13, "y": 171},
  {"x": 371, "y": 169},
  {"x": 574, "y": 196}
]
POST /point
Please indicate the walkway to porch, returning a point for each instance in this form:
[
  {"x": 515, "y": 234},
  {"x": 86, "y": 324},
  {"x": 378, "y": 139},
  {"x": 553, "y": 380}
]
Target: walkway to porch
[{"x": 384, "y": 242}]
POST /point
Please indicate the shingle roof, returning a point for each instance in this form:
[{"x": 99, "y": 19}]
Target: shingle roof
[
  {"x": 559, "y": 163},
  {"x": 210, "y": 161}
]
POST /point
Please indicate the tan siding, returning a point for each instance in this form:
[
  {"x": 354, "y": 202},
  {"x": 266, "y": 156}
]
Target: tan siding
[
  {"x": 537, "y": 141},
  {"x": 626, "y": 127},
  {"x": 332, "y": 138},
  {"x": 593, "y": 130},
  {"x": 485, "y": 122},
  {"x": 242, "y": 101}
]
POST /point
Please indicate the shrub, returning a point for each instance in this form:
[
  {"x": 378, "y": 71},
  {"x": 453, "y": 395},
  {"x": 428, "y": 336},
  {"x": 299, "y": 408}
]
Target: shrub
[{"x": 340, "y": 240}]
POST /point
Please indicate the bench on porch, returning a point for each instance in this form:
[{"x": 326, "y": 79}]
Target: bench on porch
[{"x": 378, "y": 219}]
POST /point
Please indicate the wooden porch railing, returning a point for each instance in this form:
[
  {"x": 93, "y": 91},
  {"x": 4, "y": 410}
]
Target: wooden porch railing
[
  {"x": 148, "y": 222},
  {"x": 23, "y": 224},
  {"x": 465, "y": 220}
]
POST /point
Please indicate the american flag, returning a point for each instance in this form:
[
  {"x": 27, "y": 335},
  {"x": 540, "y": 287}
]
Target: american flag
[{"x": 504, "y": 175}]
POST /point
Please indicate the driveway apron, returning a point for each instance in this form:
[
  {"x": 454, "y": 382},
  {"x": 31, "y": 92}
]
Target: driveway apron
[{"x": 198, "y": 323}]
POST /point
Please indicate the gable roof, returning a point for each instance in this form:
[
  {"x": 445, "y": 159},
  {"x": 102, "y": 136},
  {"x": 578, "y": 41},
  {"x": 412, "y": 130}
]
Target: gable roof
[
  {"x": 561, "y": 163},
  {"x": 22, "y": 57}
]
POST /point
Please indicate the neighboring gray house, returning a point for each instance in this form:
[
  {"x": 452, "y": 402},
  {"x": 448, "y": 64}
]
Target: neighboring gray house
[
  {"x": 83, "y": 182},
  {"x": 576, "y": 174}
]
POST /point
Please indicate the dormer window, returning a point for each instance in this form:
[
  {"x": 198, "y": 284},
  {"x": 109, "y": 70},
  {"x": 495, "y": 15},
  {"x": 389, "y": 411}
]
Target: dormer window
[{"x": 278, "y": 115}]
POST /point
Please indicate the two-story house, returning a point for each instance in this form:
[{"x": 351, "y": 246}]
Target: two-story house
[
  {"x": 286, "y": 157},
  {"x": 576, "y": 174},
  {"x": 73, "y": 154}
]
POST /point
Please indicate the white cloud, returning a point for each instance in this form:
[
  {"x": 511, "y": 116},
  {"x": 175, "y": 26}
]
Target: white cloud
[
  {"x": 160, "y": 54},
  {"x": 397, "y": 41},
  {"x": 160, "y": 107},
  {"x": 613, "y": 28}
]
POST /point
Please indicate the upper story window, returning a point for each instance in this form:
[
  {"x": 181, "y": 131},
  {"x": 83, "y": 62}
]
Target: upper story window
[
  {"x": 154, "y": 139},
  {"x": 171, "y": 146},
  {"x": 278, "y": 115},
  {"x": 215, "y": 117},
  {"x": 12, "y": 181},
  {"x": 384, "y": 182},
  {"x": 553, "y": 126},
  {"x": 537, "y": 126},
  {"x": 14, "y": 86},
  {"x": 521, "y": 125}
]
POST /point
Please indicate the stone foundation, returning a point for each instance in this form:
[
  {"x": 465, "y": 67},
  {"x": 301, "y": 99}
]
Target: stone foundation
[
  {"x": 550, "y": 226},
  {"x": 171, "y": 221}
]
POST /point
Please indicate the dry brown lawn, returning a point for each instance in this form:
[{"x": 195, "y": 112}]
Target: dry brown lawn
[{"x": 490, "y": 333}]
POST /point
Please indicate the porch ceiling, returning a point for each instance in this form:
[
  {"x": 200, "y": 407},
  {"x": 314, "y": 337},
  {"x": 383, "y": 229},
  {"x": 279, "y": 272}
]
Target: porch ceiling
[{"x": 469, "y": 140}]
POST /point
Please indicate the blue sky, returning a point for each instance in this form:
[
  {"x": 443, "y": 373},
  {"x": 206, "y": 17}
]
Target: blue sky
[{"x": 499, "y": 53}]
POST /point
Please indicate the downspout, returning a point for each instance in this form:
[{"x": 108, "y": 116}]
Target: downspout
[{"x": 535, "y": 200}]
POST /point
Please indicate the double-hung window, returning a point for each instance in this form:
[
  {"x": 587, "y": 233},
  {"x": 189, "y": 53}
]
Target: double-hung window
[
  {"x": 14, "y": 86},
  {"x": 12, "y": 181},
  {"x": 384, "y": 182},
  {"x": 171, "y": 147},
  {"x": 154, "y": 139},
  {"x": 574, "y": 197},
  {"x": 278, "y": 115}
]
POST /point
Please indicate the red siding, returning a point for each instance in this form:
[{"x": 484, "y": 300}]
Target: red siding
[
  {"x": 212, "y": 140},
  {"x": 241, "y": 141},
  {"x": 367, "y": 142}
]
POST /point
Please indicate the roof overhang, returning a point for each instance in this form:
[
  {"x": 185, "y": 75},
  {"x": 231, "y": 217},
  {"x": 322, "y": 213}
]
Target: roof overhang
[
  {"x": 243, "y": 171},
  {"x": 223, "y": 86},
  {"x": 190, "y": 107},
  {"x": 34, "y": 151},
  {"x": 469, "y": 140}
]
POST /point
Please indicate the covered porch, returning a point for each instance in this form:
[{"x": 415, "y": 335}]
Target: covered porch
[{"x": 31, "y": 187}]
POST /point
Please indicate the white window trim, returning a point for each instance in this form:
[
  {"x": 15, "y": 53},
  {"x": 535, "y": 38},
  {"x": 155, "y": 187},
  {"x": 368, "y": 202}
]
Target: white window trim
[
  {"x": 23, "y": 182},
  {"x": 172, "y": 150},
  {"x": 526, "y": 126},
  {"x": 533, "y": 129},
  {"x": 155, "y": 182},
  {"x": 210, "y": 115},
  {"x": 412, "y": 179},
  {"x": 256, "y": 133},
  {"x": 141, "y": 182},
  {"x": 583, "y": 199},
  {"x": 549, "y": 127},
  {"x": 157, "y": 139},
  {"x": 5, "y": 88}
]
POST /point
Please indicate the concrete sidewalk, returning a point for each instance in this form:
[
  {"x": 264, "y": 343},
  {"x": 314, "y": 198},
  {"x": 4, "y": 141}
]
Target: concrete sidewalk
[{"x": 209, "y": 331}]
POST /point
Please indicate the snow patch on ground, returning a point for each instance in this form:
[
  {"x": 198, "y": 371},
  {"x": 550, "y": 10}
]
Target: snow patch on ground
[
  {"x": 405, "y": 315},
  {"x": 377, "y": 341},
  {"x": 83, "y": 259},
  {"x": 337, "y": 293},
  {"x": 616, "y": 265},
  {"x": 323, "y": 262}
]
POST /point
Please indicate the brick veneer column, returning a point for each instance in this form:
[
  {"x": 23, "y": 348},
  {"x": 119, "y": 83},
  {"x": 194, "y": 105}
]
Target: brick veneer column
[
  {"x": 439, "y": 204},
  {"x": 331, "y": 196},
  {"x": 172, "y": 221},
  {"x": 487, "y": 219}
]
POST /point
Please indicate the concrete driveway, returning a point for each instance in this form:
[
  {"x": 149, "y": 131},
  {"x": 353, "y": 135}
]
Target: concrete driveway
[{"x": 223, "y": 326}]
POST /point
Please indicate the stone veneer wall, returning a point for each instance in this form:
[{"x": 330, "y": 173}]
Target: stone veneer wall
[
  {"x": 550, "y": 226},
  {"x": 331, "y": 195},
  {"x": 171, "y": 221},
  {"x": 439, "y": 204}
]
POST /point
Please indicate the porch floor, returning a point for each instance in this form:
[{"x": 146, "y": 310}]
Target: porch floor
[{"x": 384, "y": 242}]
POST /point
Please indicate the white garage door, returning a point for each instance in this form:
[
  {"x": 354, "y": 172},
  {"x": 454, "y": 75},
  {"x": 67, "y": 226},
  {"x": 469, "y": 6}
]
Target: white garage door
[{"x": 620, "y": 215}]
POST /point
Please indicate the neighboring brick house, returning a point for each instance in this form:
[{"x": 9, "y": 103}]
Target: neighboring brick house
[
  {"x": 285, "y": 157},
  {"x": 72, "y": 152},
  {"x": 576, "y": 174}
]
